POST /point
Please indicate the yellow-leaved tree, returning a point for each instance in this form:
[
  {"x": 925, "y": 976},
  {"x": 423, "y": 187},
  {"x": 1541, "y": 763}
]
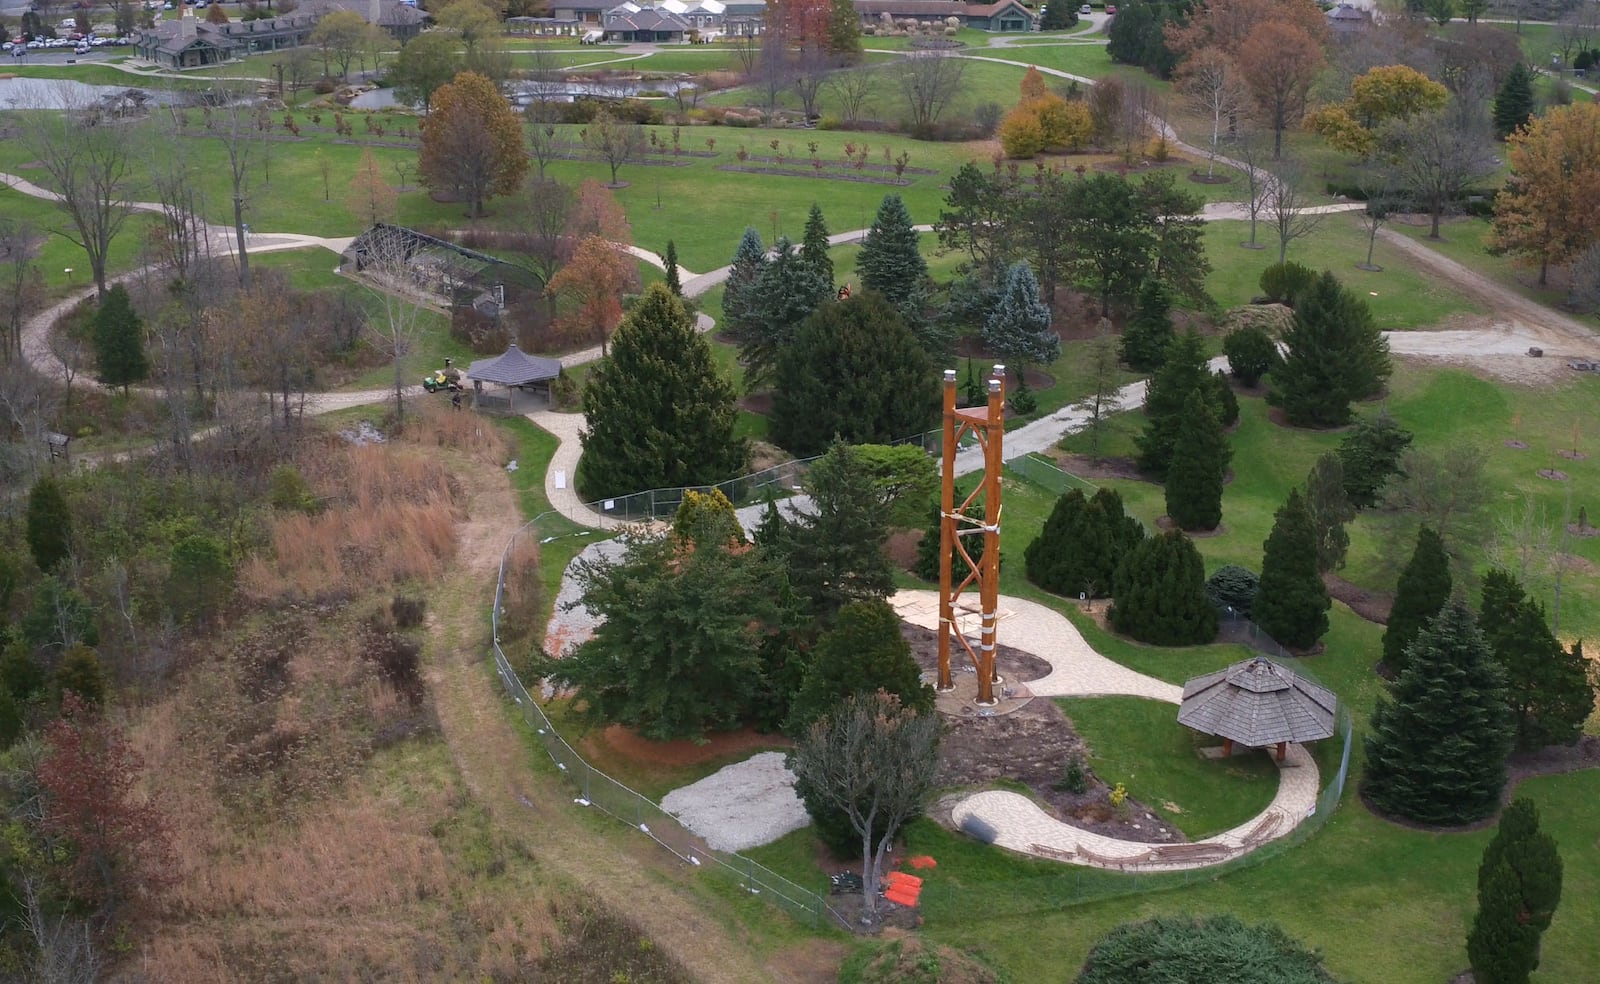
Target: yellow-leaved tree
[
  {"x": 472, "y": 143},
  {"x": 1549, "y": 210},
  {"x": 1043, "y": 120},
  {"x": 1379, "y": 96}
]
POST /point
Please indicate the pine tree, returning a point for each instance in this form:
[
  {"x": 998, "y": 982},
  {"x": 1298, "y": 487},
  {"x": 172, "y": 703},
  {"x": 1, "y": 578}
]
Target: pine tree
[
  {"x": 1161, "y": 594},
  {"x": 1513, "y": 104},
  {"x": 835, "y": 553},
  {"x": 890, "y": 262},
  {"x": 853, "y": 371},
  {"x": 814, "y": 246},
  {"x": 1370, "y": 455},
  {"x": 1533, "y": 858},
  {"x": 785, "y": 294},
  {"x": 671, "y": 263},
  {"x": 1547, "y": 684},
  {"x": 119, "y": 341},
  {"x": 1251, "y": 353},
  {"x": 1423, "y": 589},
  {"x": 1018, "y": 328},
  {"x": 1224, "y": 404},
  {"x": 1502, "y": 947},
  {"x": 1292, "y": 602},
  {"x": 926, "y": 565},
  {"x": 1200, "y": 460},
  {"x": 80, "y": 672},
  {"x": 1149, "y": 332},
  {"x": 1330, "y": 510},
  {"x": 769, "y": 533},
  {"x": 1058, "y": 17},
  {"x": 739, "y": 296},
  {"x": 49, "y": 532},
  {"x": 1183, "y": 372},
  {"x": 1082, "y": 542},
  {"x": 1437, "y": 750},
  {"x": 659, "y": 413},
  {"x": 863, "y": 653},
  {"x": 1336, "y": 356}
]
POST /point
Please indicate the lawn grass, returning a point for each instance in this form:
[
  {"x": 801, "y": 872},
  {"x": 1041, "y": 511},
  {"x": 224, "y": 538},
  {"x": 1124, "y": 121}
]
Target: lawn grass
[
  {"x": 1466, "y": 239},
  {"x": 58, "y": 254},
  {"x": 1140, "y": 744}
]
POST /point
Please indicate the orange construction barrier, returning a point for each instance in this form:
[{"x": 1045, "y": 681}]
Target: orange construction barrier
[
  {"x": 899, "y": 879},
  {"x": 902, "y": 896}
]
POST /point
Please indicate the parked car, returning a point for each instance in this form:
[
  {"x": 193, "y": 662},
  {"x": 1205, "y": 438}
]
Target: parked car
[
  {"x": 1085, "y": 9},
  {"x": 592, "y": 37},
  {"x": 1111, "y": 10}
]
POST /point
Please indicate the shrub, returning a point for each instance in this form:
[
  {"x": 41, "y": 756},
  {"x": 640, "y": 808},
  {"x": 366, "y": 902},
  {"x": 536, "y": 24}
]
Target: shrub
[
  {"x": 399, "y": 663},
  {"x": 408, "y": 611},
  {"x": 1251, "y": 353},
  {"x": 1160, "y": 594},
  {"x": 324, "y": 85},
  {"x": 1283, "y": 282},
  {"x": 1073, "y": 777},
  {"x": 82, "y": 674},
  {"x": 1216, "y": 948},
  {"x": 1233, "y": 587},
  {"x": 1021, "y": 134},
  {"x": 988, "y": 116}
]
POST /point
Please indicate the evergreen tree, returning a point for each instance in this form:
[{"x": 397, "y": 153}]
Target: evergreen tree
[
  {"x": 1370, "y": 455},
  {"x": 1513, "y": 104},
  {"x": 1018, "y": 328},
  {"x": 1291, "y": 602},
  {"x": 853, "y": 371},
  {"x": 1233, "y": 587},
  {"x": 1058, "y": 17},
  {"x": 200, "y": 577},
  {"x": 1336, "y": 356},
  {"x": 1547, "y": 684},
  {"x": 1199, "y": 466},
  {"x": 1437, "y": 750},
  {"x": 1224, "y": 405},
  {"x": 49, "y": 532},
  {"x": 739, "y": 296},
  {"x": 769, "y": 532},
  {"x": 1078, "y": 549},
  {"x": 1330, "y": 509},
  {"x": 1251, "y": 353},
  {"x": 786, "y": 292},
  {"x": 814, "y": 246},
  {"x": 1183, "y": 372},
  {"x": 1161, "y": 594},
  {"x": 80, "y": 673},
  {"x": 10, "y": 720},
  {"x": 863, "y": 653},
  {"x": 659, "y": 413},
  {"x": 926, "y": 566},
  {"x": 1503, "y": 948},
  {"x": 119, "y": 341},
  {"x": 1532, "y": 856},
  {"x": 835, "y": 553},
  {"x": 1149, "y": 331},
  {"x": 1423, "y": 589},
  {"x": 891, "y": 264},
  {"x": 671, "y": 263},
  {"x": 20, "y": 675}
]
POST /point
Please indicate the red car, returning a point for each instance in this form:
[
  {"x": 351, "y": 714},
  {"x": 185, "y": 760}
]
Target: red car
[{"x": 1111, "y": 10}]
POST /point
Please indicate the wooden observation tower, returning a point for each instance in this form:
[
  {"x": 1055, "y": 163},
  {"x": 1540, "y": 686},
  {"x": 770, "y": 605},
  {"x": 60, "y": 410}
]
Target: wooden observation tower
[{"x": 976, "y": 515}]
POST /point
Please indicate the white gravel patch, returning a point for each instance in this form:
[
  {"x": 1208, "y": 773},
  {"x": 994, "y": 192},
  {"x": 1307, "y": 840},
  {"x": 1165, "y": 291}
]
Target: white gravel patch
[{"x": 742, "y": 805}]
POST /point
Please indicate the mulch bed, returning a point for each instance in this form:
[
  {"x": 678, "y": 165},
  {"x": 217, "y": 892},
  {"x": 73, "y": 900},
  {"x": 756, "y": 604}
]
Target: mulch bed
[
  {"x": 1166, "y": 523},
  {"x": 824, "y": 173},
  {"x": 1373, "y": 606},
  {"x": 1032, "y": 745},
  {"x": 1554, "y": 475},
  {"x": 835, "y": 165},
  {"x": 757, "y": 402},
  {"x": 1209, "y": 179},
  {"x": 1516, "y": 445},
  {"x": 1084, "y": 466},
  {"x": 1572, "y": 455}
]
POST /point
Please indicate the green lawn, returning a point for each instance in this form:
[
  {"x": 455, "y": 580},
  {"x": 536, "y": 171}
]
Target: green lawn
[{"x": 58, "y": 254}]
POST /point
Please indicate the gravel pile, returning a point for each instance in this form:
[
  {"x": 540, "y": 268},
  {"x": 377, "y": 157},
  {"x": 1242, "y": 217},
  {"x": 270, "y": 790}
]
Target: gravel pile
[{"x": 741, "y": 806}]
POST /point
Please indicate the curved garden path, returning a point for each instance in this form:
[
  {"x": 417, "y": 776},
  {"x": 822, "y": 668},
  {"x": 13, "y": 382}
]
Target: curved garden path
[{"x": 1076, "y": 670}]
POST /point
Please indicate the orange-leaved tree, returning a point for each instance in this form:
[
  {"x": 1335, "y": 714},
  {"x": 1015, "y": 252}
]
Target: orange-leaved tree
[
  {"x": 1549, "y": 210},
  {"x": 1279, "y": 60},
  {"x": 594, "y": 281},
  {"x": 1227, "y": 24},
  {"x": 472, "y": 142},
  {"x": 371, "y": 198}
]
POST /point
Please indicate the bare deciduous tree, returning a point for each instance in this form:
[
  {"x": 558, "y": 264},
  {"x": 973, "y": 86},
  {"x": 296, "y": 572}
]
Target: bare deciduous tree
[
  {"x": 614, "y": 141},
  {"x": 1435, "y": 158},
  {"x": 545, "y": 142},
  {"x": 929, "y": 80},
  {"x": 27, "y": 405},
  {"x": 1288, "y": 207},
  {"x": 1376, "y": 187},
  {"x": 853, "y": 89},
  {"x": 387, "y": 272},
  {"x": 1213, "y": 85},
  {"x": 242, "y": 142},
  {"x": 809, "y": 70},
  {"x": 65, "y": 951},
  {"x": 21, "y": 281},
  {"x": 1252, "y": 154},
  {"x": 1101, "y": 401}
]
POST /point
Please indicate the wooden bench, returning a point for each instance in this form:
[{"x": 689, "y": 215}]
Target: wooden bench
[
  {"x": 1264, "y": 830},
  {"x": 1176, "y": 853},
  {"x": 1110, "y": 862},
  {"x": 1055, "y": 853}
]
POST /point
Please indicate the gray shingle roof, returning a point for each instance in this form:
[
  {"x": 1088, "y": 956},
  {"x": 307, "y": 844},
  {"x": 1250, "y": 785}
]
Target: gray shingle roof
[
  {"x": 1258, "y": 703},
  {"x": 514, "y": 368}
]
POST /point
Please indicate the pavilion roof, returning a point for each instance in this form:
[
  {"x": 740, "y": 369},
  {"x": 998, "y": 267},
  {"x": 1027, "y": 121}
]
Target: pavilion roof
[{"x": 1258, "y": 703}]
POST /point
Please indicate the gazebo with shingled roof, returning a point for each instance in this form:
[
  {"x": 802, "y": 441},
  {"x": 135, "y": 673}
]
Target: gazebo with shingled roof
[
  {"x": 517, "y": 372},
  {"x": 1258, "y": 703}
]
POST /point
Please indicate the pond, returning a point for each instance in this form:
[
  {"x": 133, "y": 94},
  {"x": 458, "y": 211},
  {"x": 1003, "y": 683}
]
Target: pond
[
  {"x": 526, "y": 92},
  {"x": 29, "y": 93}
]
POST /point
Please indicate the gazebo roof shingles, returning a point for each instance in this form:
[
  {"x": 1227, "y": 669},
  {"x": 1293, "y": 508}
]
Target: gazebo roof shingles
[
  {"x": 514, "y": 368},
  {"x": 1258, "y": 703}
]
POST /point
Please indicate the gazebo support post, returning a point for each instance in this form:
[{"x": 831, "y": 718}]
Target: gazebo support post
[
  {"x": 1283, "y": 750},
  {"x": 1227, "y": 748}
]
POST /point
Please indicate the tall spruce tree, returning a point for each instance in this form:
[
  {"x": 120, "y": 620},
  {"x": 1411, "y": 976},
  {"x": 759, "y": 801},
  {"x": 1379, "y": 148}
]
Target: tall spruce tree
[
  {"x": 1149, "y": 331},
  {"x": 835, "y": 553},
  {"x": 814, "y": 246},
  {"x": 670, "y": 261},
  {"x": 1437, "y": 750},
  {"x": 1018, "y": 327},
  {"x": 1533, "y": 858},
  {"x": 1182, "y": 373},
  {"x": 119, "y": 341},
  {"x": 891, "y": 264},
  {"x": 786, "y": 292},
  {"x": 1330, "y": 510},
  {"x": 739, "y": 296},
  {"x": 1547, "y": 684},
  {"x": 1423, "y": 589},
  {"x": 1082, "y": 541},
  {"x": 853, "y": 371},
  {"x": 1160, "y": 594},
  {"x": 1370, "y": 454},
  {"x": 1199, "y": 467},
  {"x": 1502, "y": 946},
  {"x": 1291, "y": 603},
  {"x": 1513, "y": 104},
  {"x": 1336, "y": 356},
  {"x": 863, "y": 653},
  {"x": 659, "y": 414},
  {"x": 49, "y": 529}
]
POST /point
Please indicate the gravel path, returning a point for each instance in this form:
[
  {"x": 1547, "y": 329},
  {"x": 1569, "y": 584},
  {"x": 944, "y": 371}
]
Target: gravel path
[{"x": 741, "y": 806}]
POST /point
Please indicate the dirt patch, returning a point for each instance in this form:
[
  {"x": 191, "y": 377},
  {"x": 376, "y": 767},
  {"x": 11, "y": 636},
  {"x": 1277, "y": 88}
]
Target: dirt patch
[
  {"x": 1584, "y": 532},
  {"x": 1553, "y": 474},
  {"x": 1516, "y": 445},
  {"x": 1576, "y": 564},
  {"x": 1084, "y": 466},
  {"x": 1572, "y": 455},
  {"x": 1374, "y": 606},
  {"x": 1031, "y": 746},
  {"x": 627, "y": 742},
  {"x": 1166, "y": 523},
  {"x": 1278, "y": 416},
  {"x": 757, "y": 402},
  {"x": 902, "y": 548}
]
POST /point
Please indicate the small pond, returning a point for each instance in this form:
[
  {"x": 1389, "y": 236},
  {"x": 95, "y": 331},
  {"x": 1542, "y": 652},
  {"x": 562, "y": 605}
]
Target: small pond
[
  {"x": 32, "y": 93},
  {"x": 525, "y": 92}
]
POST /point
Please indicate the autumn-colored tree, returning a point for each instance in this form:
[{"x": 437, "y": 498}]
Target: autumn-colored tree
[
  {"x": 597, "y": 213},
  {"x": 371, "y": 199},
  {"x": 119, "y": 845},
  {"x": 1280, "y": 60},
  {"x": 1033, "y": 85},
  {"x": 216, "y": 15},
  {"x": 1388, "y": 92},
  {"x": 1045, "y": 121},
  {"x": 595, "y": 279},
  {"x": 472, "y": 142},
  {"x": 1211, "y": 81},
  {"x": 1227, "y": 24},
  {"x": 341, "y": 36},
  {"x": 1549, "y": 210}
]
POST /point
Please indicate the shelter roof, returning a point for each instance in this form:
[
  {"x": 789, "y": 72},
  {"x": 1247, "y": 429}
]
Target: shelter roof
[
  {"x": 1256, "y": 703},
  {"x": 514, "y": 368}
]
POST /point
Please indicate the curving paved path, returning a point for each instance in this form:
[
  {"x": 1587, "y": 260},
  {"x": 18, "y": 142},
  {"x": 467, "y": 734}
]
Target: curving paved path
[{"x": 1076, "y": 670}]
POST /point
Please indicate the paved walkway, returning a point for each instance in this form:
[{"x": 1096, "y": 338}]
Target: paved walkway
[{"x": 1076, "y": 670}]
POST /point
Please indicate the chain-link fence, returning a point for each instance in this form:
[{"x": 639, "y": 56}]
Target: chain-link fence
[{"x": 1043, "y": 472}]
